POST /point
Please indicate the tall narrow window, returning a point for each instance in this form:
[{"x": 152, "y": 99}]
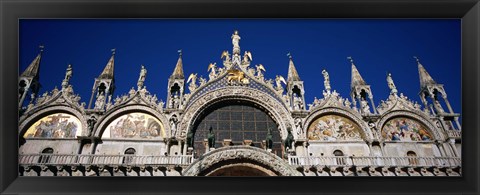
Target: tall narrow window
[
  {"x": 412, "y": 158},
  {"x": 45, "y": 156},
  {"x": 339, "y": 157},
  {"x": 129, "y": 153}
]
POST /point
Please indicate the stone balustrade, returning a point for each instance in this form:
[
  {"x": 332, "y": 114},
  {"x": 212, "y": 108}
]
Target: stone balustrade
[
  {"x": 454, "y": 134},
  {"x": 375, "y": 161},
  {"x": 89, "y": 159}
]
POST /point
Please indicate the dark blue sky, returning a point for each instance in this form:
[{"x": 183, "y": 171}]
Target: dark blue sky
[{"x": 377, "y": 47}]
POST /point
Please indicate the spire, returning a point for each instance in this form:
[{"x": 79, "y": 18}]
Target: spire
[
  {"x": 178, "y": 71},
  {"x": 107, "y": 73},
  {"x": 356, "y": 77},
  {"x": 32, "y": 69},
  {"x": 425, "y": 78},
  {"x": 292, "y": 71}
]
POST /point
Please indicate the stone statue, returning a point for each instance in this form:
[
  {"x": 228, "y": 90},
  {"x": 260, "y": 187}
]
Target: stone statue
[
  {"x": 298, "y": 105},
  {"x": 269, "y": 140},
  {"x": 141, "y": 78},
  {"x": 173, "y": 124},
  {"x": 278, "y": 81},
  {"x": 225, "y": 56},
  {"x": 100, "y": 101},
  {"x": 298, "y": 126},
  {"x": 202, "y": 81},
  {"x": 69, "y": 73},
  {"x": 289, "y": 140},
  {"x": 260, "y": 68},
  {"x": 212, "y": 69},
  {"x": 91, "y": 123},
  {"x": 211, "y": 138},
  {"x": 192, "y": 79},
  {"x": 365, "y": 107},
  {"x": 391, "y": 85},
  {"x": 326, "y": 81},
  {"x": 235, "y": 42}
]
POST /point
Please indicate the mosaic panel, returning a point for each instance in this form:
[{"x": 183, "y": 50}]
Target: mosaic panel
[
  {"x": 332, "y": 128},
  {"x": 135, "y": 126},
  {"x": 58, "y": 125},
  {"x": 405, "y": 129}
]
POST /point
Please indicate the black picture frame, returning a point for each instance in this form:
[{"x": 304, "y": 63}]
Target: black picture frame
[{"x": 12, "y": 11}]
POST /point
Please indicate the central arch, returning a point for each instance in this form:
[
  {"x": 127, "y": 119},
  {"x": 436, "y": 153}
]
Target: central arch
[
  {"x": 277, "y": 109},
  {"x": 240, "y": 161}
]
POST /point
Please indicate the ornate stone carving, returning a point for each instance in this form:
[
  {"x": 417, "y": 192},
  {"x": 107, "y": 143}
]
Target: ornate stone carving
[{"x": 270, "y": 160}]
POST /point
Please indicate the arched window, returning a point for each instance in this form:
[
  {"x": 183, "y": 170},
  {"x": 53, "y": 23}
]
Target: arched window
[
  {"x": 412, "y": 158},
  {"x": 129, "y": 153},
  {"x": 339, "y": 157},
  {"x": 237, "y": 121},
  {"x": 45, "y": 156}
]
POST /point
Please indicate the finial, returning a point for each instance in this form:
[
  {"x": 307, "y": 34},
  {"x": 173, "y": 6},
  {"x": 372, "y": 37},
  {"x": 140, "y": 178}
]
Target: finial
[
  {"x": 289, "y": 55},
  {"x": 113, "y": 51},
  {"x": 350, "y": 59},
  {"x": 417, "y": 59},
  {"x": 41, "y": 48},
  {"x": 180, "y": 52}
]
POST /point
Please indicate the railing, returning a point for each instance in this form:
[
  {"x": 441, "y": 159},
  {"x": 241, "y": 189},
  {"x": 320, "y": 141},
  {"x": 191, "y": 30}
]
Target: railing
[
  {"x": 454, "y": 134},
  {"x": 375, "y": 161},
  {"x": 83, "y": 159}
]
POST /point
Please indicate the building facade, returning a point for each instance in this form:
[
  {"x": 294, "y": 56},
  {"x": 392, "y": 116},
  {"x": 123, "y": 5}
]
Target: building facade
[{"x": 235, "y": 122}]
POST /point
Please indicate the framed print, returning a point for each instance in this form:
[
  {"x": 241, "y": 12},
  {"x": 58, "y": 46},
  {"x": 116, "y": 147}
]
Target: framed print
[{"x": 150, "y": 97}]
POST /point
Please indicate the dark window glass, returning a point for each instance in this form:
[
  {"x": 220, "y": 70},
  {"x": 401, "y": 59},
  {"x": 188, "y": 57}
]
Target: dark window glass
[{"x": 238, "y": 122}]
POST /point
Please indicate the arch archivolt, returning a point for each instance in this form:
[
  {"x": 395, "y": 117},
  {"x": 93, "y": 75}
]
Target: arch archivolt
[
  {"x": 267, "y": 159},
  {"x": 277, "y": 110},
  {"x": 393, "y": 114},
  {"x": 103, "y": 122},
  {"x": 30, "y": 120},
  {"x": 365, "y": 130}
]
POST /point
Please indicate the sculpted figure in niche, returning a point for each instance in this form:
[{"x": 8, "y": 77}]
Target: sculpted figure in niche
[
  {"x": 100, "y": 101},
  {"x": 173, "y": 124},
  {"x": 211, "y": 138},
  {"x": 298, "y": 126},
  {"x": 91, "y": 123},
  {"x": 365, "y": 106}
]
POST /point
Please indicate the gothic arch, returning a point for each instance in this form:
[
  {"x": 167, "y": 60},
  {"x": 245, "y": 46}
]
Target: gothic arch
[
  {"x": 266, "y": 161},
  {"x": 404, "y": 113},
  {"x": 366, "y": 131},
  {"x": 279, "y": 113},
  {"x": 30, "y": 120},
  {"x": 111, "y": 116}
]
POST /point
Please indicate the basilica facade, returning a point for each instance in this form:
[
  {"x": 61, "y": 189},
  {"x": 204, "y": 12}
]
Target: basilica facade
[{"x": 235, "y": 122}]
